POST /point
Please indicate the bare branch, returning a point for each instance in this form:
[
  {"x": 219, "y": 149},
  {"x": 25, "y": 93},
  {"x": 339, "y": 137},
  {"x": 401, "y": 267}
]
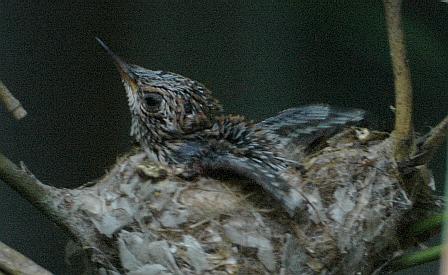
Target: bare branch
[
  {"x": 403, "y": 133},
  {"x": 12, "y": 262},
  {"x": 435, "y": 138},
  {"x": 24, "y": 183},
  {"x": 29, "y": 187},
  {"x": 11, "y": 103}
]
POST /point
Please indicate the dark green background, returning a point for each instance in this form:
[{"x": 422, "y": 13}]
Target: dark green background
[{"x": 258, "y": 57}]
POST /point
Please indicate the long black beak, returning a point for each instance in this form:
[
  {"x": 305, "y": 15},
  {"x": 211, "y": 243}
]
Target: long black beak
[{"x": 121, "y": 65}]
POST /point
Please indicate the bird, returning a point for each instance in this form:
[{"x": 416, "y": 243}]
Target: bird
[{"x": 178, "y": 122}]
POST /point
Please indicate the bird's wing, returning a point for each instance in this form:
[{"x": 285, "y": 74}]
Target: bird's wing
[
  {"x": 303, "y": 126},
  {"x": 264, "y": 175}
]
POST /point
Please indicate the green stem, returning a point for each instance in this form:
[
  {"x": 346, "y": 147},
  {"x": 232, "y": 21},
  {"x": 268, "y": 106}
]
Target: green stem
[
  {"x": 444, "y": 262},
  {"x": 416, "y": 258}
]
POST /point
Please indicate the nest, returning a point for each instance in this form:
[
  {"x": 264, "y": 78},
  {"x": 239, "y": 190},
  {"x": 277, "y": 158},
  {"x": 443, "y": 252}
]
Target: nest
[{"x": 142, "y": 218}]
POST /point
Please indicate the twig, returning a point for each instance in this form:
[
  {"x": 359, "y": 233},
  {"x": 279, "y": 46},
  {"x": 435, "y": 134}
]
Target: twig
[
  {"x": 435, "y": 138},
  {"x": 25, "y": 184},
  {"x": 38, "y": 194},
  {"x": 42, "y": 197},
  {"x": 11, "y": 104},
  {"x": 403, "y": 132},
  {"x": 12, "y": 262},
  {"x": 437, "y": 135}
]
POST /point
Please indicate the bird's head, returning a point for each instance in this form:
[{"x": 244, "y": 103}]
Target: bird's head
[{"x": 164, "y": 105}]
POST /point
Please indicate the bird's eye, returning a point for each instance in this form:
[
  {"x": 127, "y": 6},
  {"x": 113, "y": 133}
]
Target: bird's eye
[{"x": 153, "y": 101}]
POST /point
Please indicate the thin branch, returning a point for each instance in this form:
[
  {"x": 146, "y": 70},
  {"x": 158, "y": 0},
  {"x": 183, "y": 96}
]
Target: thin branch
[
  {"x": 403, "y": 133},
  {"x": 435, "y": 138},
  {"x": 12, "y": 262},
  {"x": 11, "y": 103},
  {"x": 24, "y": 183},
  {"x": 41, "y": 196},
  {"x": 30, "y": 188}
]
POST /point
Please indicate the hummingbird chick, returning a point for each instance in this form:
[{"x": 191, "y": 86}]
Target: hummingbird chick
[{"x": 178, "y": 122}]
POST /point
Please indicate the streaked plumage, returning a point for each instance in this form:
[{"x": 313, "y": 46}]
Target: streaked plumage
[{"x": 178, "y": 122}]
